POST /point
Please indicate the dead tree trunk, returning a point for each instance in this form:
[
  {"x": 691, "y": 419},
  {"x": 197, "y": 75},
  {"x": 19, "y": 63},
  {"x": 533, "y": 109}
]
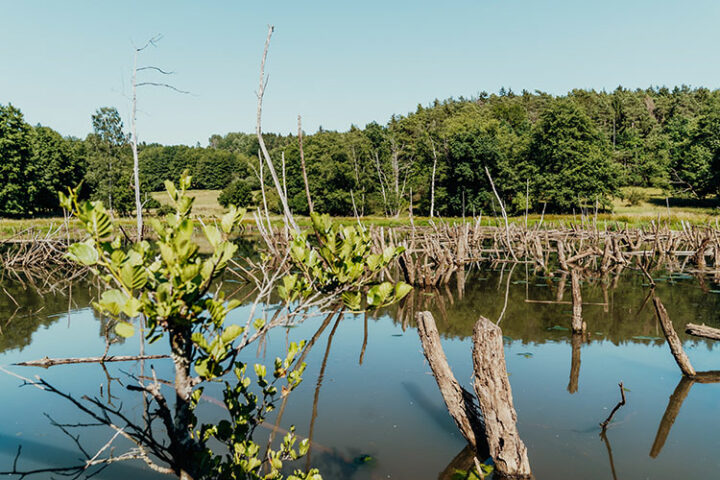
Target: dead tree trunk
[
  {"x": 492, "y": 388},
  {"x": 289, "y": 219},
  {"x": 672, "y": 339},
  {"x": 702, "y": 331},
  {"x": 459, "y": 401},
  {"x": 578, "y": 326},
  {"x": 133, "y": 144},
  {"x": 432, "y": 180},
  {"x": 302, "y": 164}
]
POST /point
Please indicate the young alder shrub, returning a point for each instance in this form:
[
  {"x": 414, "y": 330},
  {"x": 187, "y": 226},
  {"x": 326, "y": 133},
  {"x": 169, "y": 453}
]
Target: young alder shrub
[{"x": 167, "y": 283}]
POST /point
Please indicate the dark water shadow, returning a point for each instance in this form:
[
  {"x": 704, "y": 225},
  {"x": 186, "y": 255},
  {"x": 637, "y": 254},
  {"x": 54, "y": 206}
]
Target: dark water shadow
[{"x": 438, "y": 414}]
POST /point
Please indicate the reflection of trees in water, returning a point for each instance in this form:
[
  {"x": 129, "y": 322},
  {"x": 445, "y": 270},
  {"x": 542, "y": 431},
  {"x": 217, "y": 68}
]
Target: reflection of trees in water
[
  {"x": 30, "y": 301},
  {"x": 624, "y": 297},
  {"x": 622, "y": 312}
]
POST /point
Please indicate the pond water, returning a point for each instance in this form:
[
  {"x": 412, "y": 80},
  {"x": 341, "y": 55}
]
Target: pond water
[{"x": 371, "y": 403}]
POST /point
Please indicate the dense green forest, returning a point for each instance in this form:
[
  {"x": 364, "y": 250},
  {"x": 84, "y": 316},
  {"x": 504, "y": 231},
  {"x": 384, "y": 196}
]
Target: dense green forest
[{"x": 561, "y": 153}]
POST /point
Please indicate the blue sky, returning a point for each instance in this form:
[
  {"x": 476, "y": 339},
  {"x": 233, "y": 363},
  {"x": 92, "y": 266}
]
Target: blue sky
[{"x": 336, "y": 63}]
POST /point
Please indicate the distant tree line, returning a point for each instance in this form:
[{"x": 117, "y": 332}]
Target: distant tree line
[
  {"x": 37, "y": 162},
  {"x": 541, "y": 151}
]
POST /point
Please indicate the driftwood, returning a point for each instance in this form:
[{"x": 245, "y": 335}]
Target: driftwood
[
  {"x": 492, "y": 388},
  {"x": 50, "y": 362},
  {"x": 702, "y": 331},
  {"x": 459, "y": 401},
  {"x": 672, "y": 339}
]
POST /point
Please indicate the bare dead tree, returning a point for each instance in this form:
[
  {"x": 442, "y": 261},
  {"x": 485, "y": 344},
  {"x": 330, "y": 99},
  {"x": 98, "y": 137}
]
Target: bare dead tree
[
  {"x": 134, "y": 138},
  {"x": 289, "y": 219},
  {"x": 504, "y": 214},
  {"x": 302, "y": 164},
  {"x": 432, "y": 179}
]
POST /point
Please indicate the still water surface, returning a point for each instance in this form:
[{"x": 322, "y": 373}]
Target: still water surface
[{"x": 388, "y": 407}]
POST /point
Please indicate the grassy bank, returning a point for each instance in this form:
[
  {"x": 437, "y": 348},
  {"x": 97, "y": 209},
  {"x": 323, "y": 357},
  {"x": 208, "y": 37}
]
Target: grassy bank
[{"x": 651, "y": 206}]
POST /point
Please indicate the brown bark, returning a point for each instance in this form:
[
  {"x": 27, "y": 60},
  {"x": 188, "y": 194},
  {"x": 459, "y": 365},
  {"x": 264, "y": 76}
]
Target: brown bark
[
  {"x": 702, "y": 331},
  {"x": 578, "y": 326},
  {"x": 459, "y": 401},
  {"x": 182, "y": 445},
  {"x": 561, "y": 287},
  {"x": 672, "y": 339},
  {"x": 493, "y": 391}
]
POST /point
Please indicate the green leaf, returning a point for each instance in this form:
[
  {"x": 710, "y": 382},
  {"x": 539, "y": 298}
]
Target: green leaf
[
  {"x": 133, "y": 277},
  {"x": 83, "y": 253},
  {"x": 402, "y": 289},
  {"x": 378, "y": 294},
  {"x": 352, "y": 300},
  {"x": 213, "y": 235},
  {"x": 125, "y": 329},
  {"x": 258, "y": 323},
  {"x": 132, "y": 307},
  {"x": 260, "y": 370},
  {"x": 231, "y": 333},
  {"x": 112, "y": 301}
]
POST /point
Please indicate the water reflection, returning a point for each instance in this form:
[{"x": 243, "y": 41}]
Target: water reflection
[{"x": 367, "y": 393}]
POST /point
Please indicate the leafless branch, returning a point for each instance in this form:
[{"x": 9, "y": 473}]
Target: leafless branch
[
  {"x": 150, "y": 67},
  {"x": 164, "y": 85}
]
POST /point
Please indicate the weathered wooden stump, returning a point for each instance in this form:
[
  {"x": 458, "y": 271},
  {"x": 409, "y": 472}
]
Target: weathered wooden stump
[
  {"x": 672, "y": 339},
  {"x": 492, "y": 389},
  {"x": 458, "y": 401},
  {"x": 578, "y": 326}
]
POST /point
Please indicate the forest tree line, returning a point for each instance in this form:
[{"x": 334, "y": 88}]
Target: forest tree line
[{"x": 543, "y": 152}]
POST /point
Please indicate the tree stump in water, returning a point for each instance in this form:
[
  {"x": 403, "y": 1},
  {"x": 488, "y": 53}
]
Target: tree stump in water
[
  {"x": 492, "y": 388},
  {"x": 578, "y": 326},
  {"x": 672, "y": 339},
  {"x": 458, "y": 401}
]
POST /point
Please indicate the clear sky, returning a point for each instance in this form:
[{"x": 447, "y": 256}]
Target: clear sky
[{"x": 337, "y": 62}]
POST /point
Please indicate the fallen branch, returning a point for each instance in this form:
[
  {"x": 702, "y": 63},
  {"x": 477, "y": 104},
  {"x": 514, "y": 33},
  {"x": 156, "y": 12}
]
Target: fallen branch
[
  {"x": 672, "y": 339},
  {"x": 702, "y": 331},
  {"x": 50, "y": 362},
  {"x": 605, "y": 424}
]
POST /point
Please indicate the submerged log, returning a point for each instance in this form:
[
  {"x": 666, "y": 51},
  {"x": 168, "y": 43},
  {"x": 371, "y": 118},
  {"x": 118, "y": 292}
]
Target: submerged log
[
  {"x": 672, "y": 339},
  {"x": 492, "y": 388},
  {"x": 459, "y": 401},
  {"x": 702, "y": 331}
]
